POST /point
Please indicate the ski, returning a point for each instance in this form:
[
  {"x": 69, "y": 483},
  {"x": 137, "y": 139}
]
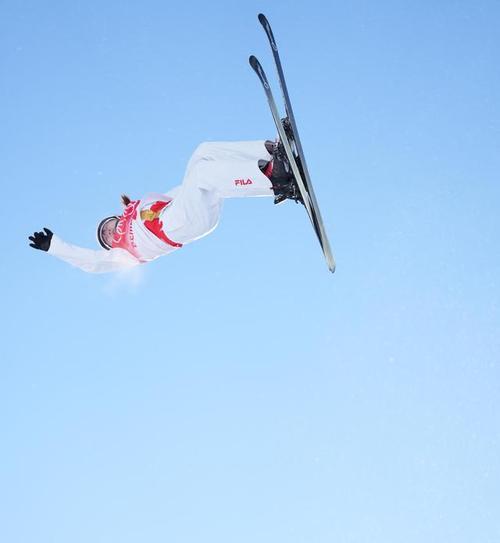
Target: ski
[{"x": 289, "y": 136}]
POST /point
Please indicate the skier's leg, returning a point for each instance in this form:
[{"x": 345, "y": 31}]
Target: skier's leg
[
  {"x": 238, "y": 169},
  {"x": 216, "y": 170},
  {"x": 229, "y": 169}
]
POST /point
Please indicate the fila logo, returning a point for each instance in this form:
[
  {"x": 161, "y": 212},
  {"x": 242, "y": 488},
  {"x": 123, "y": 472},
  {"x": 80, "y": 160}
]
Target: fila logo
[{"x": 243, "y": 182}]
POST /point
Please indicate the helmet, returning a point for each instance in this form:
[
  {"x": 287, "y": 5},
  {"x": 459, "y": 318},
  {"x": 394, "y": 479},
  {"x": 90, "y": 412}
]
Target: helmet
[{"x": 105, "y": 231}]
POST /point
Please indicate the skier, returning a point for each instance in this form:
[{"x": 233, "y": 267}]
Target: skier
[{"x": 159, "y": 224}]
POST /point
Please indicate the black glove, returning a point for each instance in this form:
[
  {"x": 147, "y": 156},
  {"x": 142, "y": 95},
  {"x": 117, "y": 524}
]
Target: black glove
[{"x": 40, "y": 240}]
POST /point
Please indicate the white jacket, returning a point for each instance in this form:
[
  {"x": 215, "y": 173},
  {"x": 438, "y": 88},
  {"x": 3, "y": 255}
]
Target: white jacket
[{"x": 133, "y": 245}]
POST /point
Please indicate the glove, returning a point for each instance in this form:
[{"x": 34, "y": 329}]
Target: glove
[{"x": 40, "y": 240}]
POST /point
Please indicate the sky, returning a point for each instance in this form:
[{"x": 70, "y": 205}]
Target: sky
[{"x": 236, "y": 391}]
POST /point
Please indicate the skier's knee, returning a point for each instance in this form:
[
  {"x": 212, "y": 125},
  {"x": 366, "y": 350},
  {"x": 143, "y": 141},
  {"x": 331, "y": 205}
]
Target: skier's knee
[{"x": 202, "y": 152}]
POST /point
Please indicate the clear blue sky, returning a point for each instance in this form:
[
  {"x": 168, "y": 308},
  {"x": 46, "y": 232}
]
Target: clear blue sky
[{"x": 236, "y": 391}]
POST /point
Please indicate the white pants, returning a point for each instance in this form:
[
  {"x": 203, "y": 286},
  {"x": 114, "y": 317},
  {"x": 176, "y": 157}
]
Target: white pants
[{"x": 216, "y": 170}]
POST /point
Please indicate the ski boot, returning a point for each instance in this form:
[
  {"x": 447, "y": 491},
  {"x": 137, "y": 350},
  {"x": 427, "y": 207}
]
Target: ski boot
[{"x": 280, "y": 174}]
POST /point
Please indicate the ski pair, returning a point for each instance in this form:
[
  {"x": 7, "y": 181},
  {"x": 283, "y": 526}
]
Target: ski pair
[{"x": 289, "y": 137}]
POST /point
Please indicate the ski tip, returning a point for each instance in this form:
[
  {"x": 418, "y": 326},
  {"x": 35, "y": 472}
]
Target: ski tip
[
  {"x": 252, "y": 59},
  {"x": 262, "y": 18}
]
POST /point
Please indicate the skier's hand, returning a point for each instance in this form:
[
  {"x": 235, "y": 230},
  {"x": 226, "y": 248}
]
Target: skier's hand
[{"x": 40, "y": 240}]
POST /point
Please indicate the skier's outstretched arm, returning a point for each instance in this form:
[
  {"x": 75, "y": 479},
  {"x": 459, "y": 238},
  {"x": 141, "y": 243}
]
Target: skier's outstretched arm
[{"x": 86, "y": 259}]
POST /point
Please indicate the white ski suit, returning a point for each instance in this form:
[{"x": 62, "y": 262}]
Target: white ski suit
[{"x": 159, "y": 224}]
